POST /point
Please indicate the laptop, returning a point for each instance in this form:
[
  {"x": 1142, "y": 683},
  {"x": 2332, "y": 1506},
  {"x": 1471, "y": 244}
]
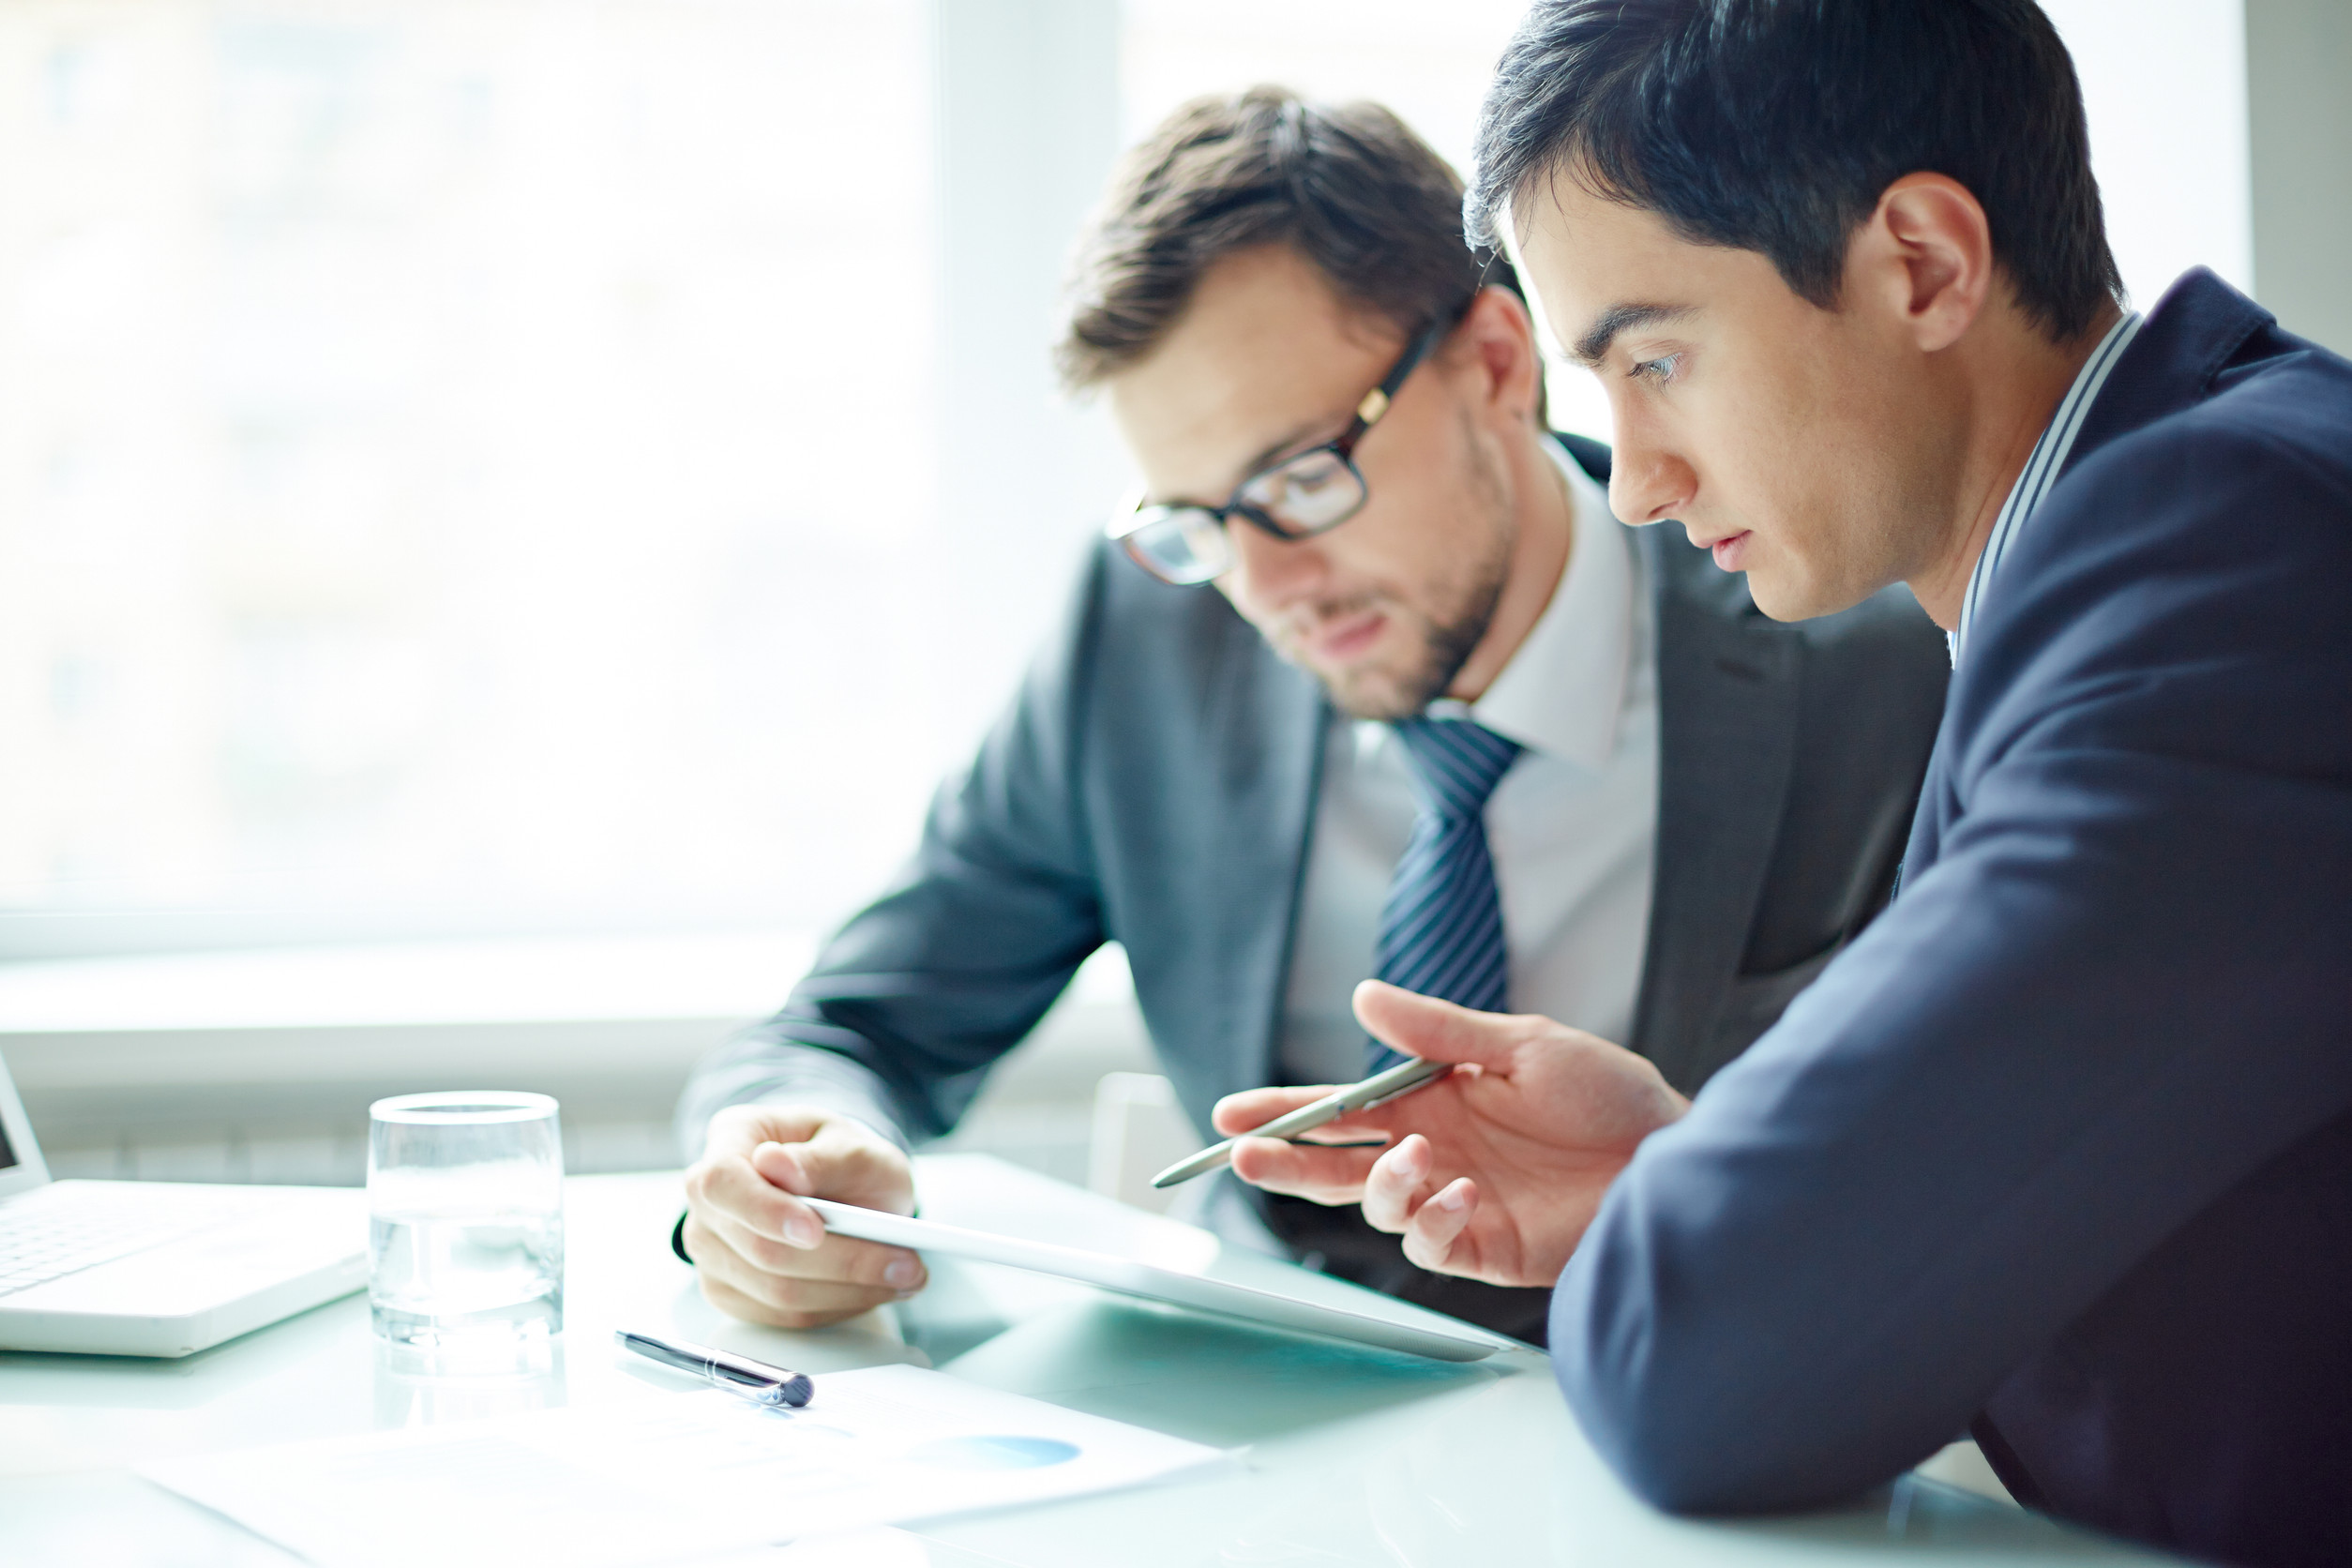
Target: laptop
[{"x": 160, "y": 1268}]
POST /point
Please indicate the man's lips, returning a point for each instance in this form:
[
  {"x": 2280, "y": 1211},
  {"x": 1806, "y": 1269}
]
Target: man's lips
[
  {"x": 1731, "y": 551},
  {"x": 1337, "y": 641}
]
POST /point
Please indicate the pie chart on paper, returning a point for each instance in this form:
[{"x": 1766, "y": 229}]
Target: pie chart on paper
[{"x": 994, "y": 1452}]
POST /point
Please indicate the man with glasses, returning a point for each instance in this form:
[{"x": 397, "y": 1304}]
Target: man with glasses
[{"x": 1391, "y": 695}]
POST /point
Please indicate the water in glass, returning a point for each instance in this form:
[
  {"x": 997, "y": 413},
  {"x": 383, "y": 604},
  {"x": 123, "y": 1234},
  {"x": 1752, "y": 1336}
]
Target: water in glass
[{"x": 466, "y": 1218}]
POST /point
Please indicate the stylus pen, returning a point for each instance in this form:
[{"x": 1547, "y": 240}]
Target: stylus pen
[
  {"x": 1407, "y": 1076},
  {"x": 755, "y": 1381}
]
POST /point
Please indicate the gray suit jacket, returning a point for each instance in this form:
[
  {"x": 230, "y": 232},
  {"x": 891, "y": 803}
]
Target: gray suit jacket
[{"x": 1155, "y": 784}]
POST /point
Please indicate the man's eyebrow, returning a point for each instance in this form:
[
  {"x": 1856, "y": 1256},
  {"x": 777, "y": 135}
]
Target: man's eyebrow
[
  {"x": 1290, "y": 438},
  {"x": 1593, "y": 347},
  {"x": 1250, "y": 465}
]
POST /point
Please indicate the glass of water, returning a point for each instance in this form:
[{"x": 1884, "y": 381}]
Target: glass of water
[{"x": 465, "y": 1211}]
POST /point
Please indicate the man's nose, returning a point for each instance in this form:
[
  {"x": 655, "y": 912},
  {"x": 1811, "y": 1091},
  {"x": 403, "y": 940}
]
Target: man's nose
[{"x": 1647, "y": 481}]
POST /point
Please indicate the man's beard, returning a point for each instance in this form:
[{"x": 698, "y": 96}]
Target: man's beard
[
  {"x": 1448, "y": 633},
  {"x": 1444, "y": 646}
]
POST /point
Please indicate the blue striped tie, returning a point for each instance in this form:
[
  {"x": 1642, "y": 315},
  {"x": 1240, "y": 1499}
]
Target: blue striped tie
[{"x": 1441, "y": 929}]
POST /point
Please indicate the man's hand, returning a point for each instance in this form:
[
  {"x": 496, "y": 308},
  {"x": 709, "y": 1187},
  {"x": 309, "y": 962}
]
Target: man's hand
[
  {"x": 1492, "y": 1172},
  {"x": 763, "y": 1254}
]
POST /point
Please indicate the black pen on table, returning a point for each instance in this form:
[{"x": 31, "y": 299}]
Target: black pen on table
[{"x": 755, "y": 1381}]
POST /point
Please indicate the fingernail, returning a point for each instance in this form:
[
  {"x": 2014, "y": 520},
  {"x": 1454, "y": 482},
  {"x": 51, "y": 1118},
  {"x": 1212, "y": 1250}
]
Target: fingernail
[
  {"x": 901, "y": 1274},
  {"x": 803, "y": 1231},
  {"x": 906, "y": 1295},
  {"x": 1452, "y": 1199}
]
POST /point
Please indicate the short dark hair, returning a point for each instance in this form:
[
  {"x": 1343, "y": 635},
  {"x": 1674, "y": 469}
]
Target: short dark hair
[
  {"x": 1774, "y": 126},
  {"x": 1349, "y": 186}
]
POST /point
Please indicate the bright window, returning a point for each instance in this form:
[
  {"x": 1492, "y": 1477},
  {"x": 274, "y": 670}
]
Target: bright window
[{"x": 463, "y": 462}]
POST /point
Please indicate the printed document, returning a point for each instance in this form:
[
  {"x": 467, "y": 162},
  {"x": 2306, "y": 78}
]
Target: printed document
[{"x": 665, "y": 1478}]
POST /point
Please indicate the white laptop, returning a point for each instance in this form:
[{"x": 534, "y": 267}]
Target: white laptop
[{"x": 160, "y": 1268}]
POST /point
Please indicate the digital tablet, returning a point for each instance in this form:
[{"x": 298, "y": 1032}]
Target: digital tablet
[{"x": 1149, "y": 1282}]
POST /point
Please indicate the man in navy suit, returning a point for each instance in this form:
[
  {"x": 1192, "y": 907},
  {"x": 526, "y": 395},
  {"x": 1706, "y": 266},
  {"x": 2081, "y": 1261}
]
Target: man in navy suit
[{"x": 2060, "y": 1149}]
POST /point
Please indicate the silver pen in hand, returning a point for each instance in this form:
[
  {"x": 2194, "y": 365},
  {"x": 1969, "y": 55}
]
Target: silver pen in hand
[
  {"x": 1407, "y": 1076},
  {"x": 755, "y": 1381}
]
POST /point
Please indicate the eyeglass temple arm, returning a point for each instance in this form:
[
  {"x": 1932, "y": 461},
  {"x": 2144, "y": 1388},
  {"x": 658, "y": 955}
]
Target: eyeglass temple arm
[
  {"x": 1368, "y": 412},
  {"x": 1376, "y": 401}
]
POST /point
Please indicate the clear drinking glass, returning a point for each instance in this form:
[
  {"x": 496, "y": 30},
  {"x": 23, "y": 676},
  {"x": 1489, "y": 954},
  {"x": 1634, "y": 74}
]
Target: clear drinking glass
[{"x": 465, "y": 1210}]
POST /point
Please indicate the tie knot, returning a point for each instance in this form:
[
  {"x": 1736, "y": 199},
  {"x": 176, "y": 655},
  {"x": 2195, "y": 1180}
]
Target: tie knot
[{"x": 1456, "y": 762}]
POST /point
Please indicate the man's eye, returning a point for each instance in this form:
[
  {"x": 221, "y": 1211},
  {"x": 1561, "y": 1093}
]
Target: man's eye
[{"x": 1657, "y": 371}]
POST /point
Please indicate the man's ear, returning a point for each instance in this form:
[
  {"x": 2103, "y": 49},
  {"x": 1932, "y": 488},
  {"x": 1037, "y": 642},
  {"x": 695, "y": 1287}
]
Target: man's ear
[
  {"x": 1924, "y": 256},
  {"x": 1498, "y": 335}
]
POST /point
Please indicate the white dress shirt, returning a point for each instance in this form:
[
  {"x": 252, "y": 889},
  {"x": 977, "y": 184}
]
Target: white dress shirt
[{"x": 1571, "y": 827}]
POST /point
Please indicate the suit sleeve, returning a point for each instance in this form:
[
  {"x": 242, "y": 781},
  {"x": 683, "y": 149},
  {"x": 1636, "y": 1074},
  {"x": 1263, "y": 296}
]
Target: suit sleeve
[
  {"x": 914, "y": 999},
  {"x": 2117, "y": 992}
]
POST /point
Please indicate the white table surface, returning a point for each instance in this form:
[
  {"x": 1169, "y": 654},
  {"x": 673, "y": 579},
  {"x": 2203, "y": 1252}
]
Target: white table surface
[{"x": 1347, "y": 1458}]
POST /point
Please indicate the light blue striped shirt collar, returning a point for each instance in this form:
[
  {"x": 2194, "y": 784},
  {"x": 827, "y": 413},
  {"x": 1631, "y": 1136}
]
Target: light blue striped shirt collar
[{"x": 2041, "y": 468}]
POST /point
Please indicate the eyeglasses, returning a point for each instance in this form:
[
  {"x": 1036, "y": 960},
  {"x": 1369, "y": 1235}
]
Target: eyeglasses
[{"x": 1309, "y": 492}]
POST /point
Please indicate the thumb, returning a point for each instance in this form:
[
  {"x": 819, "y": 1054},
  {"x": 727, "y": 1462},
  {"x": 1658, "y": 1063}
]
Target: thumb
[
  {"x": 1434, "y": 1031},
  {"x": 787, "y": 1166},
  {"x": 847, "y": 1161}
]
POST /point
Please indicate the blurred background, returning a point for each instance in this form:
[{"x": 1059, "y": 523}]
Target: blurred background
[{"x": 508, "y": 508}]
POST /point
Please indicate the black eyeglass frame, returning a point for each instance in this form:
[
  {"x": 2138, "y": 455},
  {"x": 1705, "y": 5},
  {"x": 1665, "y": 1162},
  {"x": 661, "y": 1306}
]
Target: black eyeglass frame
[{"x": 1370, "y": 411}]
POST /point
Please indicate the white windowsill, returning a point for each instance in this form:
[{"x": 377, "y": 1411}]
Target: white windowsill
[
  {"x": 262, "y": 1043},
  {"x": 718, "y": 976}
]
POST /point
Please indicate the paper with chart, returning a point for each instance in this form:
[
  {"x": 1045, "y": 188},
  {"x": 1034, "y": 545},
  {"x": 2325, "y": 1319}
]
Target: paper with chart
[{"x": 665, "y": 1478}]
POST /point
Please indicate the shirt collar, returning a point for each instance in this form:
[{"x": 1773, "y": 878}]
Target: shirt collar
[
  {"x": 1563, "y": 690},
  {"x": 2042, "y": 469}
]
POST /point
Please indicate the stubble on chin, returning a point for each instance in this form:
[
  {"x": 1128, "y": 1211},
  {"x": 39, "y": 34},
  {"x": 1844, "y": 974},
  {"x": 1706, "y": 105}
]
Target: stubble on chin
[
  {"x": 1428, "y": 653},
  {"x": 1392, "y": 688}
]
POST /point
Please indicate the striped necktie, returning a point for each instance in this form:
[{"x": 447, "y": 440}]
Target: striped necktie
[{"x": 1441, "y": 927}]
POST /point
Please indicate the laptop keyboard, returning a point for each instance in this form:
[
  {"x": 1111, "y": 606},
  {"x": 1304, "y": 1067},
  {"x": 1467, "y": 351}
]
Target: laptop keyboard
[{"x": 56, "y": 1239}]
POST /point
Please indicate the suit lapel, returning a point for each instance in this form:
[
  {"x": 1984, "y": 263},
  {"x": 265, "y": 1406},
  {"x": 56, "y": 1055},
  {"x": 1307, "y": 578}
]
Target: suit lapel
[
  {"x": 1726, "y": 735},
  {"x": 1928, "y": 817}
]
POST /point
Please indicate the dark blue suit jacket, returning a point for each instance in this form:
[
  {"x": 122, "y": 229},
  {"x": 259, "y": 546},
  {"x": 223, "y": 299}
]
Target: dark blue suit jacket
[{"x": 2062, "y": 1144}]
